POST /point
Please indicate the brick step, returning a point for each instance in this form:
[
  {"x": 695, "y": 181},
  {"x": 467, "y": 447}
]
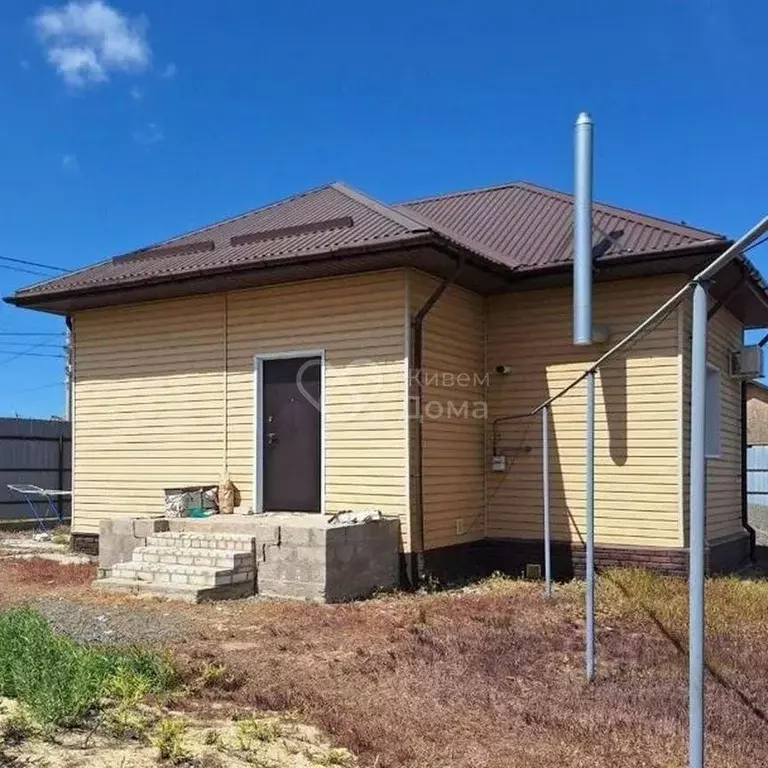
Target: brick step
[
  {"x": 188, "y": 593},
  {"x": 211, "y": 558},
  {"x": 168, "y": 573},
  {"x": 237, "y": 542}
]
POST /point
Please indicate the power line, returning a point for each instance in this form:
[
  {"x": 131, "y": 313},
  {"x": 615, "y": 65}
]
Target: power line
[
  {"x": 37, "y": 389},
  {"x": 17, "y": 355},
  {"x": 26, "y": 343},
  {"x": 754, "y": 245},
  {"x": 34, "y": 264},
  {"x": 27, "y": 271},
  {"x": 30, "y": 354}
]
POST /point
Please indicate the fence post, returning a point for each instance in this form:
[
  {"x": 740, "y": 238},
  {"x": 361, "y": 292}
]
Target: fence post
[
  {"x": 590, "y": 514},
  {"x": 545, "y": 488},
  {"x": 697, "y": 528}
]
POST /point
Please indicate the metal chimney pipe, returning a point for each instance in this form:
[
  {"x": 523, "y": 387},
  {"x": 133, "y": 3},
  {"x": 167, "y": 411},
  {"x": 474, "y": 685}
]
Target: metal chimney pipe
[{"x": 582, "y": 232}]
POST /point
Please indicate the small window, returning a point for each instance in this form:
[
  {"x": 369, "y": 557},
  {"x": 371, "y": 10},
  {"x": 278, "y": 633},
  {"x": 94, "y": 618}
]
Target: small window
[{"x": 712, "y": 414}]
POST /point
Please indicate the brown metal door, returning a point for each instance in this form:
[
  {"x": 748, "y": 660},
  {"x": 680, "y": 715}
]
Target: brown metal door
[{"x": 291, "y": 408}]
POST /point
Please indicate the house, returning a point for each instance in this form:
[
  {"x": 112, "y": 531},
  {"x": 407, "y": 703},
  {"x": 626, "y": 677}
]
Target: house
[
  {"x": 331, "y": 352},
  {"x": 757, "y": 413}
]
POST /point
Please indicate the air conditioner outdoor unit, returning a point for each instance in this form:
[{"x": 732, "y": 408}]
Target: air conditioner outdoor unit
[{"x": 747, "y": 363}]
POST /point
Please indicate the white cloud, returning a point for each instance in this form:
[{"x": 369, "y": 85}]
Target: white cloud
[
  {"x": 169, "y": 71},
  {"x": 137, "y": 94},
  {"x": 69, "y": 164},
  {"x": 150, "y": 134},
  {"x": 85, "y": 40}
]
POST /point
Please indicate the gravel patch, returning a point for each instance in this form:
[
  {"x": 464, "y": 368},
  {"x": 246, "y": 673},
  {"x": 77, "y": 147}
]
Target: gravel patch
[{"x": 119, "y": 625}]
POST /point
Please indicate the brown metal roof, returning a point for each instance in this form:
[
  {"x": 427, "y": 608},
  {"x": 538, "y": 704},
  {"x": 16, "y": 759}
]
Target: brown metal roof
[
  {"x": 531, "y": 226},
  {"x": 512, "y": 231},
  {"x": 288, "y": 229}
]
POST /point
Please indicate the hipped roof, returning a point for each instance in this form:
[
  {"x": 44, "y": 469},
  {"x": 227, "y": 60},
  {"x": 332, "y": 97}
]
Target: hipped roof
[{"x": 507, "y": 234}]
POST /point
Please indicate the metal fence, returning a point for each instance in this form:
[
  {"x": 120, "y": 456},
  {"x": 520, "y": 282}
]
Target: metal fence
[
  {"x": 34, "y": 451},
  {"x": 757, "y": 474}
]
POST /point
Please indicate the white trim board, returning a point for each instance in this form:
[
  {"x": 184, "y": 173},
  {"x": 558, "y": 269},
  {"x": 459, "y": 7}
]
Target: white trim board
[{"x": 258, "y": 420}]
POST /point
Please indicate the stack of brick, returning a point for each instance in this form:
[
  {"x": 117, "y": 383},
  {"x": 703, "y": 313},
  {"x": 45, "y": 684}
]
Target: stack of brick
[{"x": 187, "y": 566}]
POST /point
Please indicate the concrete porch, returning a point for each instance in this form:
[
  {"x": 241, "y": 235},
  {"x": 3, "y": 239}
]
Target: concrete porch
[{"x": 290, "y": 555}]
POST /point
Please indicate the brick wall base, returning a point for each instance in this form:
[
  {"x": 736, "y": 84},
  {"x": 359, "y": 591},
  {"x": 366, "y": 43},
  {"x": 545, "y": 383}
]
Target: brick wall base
[
  {"x": 510, "y": 556},
  {"x": 87, "y": 543},
  {"x": 730, "y": 554},
  {"x": 479, "y": 559}
]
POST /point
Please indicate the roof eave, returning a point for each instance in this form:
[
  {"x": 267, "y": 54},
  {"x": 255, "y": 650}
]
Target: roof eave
[
  {"x": 40, "y": 300},
  {"x": 108, "y": 294}
]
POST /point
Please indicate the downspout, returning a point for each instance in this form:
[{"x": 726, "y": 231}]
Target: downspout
[
  {"x": 416, "y": 395},
  {"x": 68, "y": 373},
  {"x": 744, "y": 484}
]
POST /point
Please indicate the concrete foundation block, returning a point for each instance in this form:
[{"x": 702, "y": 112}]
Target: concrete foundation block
[
  {"x": 120, "y": 536},
  {"x": 294, "y": 556}
]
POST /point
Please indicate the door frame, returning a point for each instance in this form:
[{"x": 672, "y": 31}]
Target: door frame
[{"x": 258, "y": 420}]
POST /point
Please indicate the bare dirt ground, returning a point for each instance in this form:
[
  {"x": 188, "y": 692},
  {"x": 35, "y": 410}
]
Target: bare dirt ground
[
  {"x": 490, "y": 676},
  {"x": 267, "y": 741}
]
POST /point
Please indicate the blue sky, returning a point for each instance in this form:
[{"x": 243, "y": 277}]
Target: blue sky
[{"x": 132, "y": 121}]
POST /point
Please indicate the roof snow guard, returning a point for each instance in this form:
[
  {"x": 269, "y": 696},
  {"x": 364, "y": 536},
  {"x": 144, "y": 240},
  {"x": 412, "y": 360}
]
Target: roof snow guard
[
  {"x": 299, "y": 229},
  {"x": 510, "y": 237}
]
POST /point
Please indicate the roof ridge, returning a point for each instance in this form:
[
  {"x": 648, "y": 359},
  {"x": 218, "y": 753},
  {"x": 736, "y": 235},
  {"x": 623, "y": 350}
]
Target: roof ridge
[
  {"x": 461, "y": 193},
  {"x": 567, "y": 197},
  {"x": 462, "y": 240},
  {"x": 400, "y": 218}
]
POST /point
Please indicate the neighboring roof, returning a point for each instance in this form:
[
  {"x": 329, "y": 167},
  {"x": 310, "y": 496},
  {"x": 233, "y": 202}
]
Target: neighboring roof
[
  {"x": 757, "y": 388},
  {"x": 504, "y": 232},
  {"x": 532, "y": 225}
]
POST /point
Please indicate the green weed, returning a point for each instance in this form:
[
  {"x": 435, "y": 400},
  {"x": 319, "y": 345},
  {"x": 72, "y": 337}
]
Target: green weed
[
  {"x": 168, "y": 739},
  {"x": 334, "y": 757},
  {"x": 212, "y": 738},
  {"x": 251, "y": 730},
  {"x": 16, "y": 728},
  {"x": 62, "y": 683},
  {"x": 213, "y": 675}
]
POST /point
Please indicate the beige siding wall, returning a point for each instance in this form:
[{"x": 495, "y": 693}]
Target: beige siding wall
[
  {"x": 725, "y": 334},
  {"x": 148, "y": 405},
  {"x": 164, "y": 392},
  {"x": 453, "y": 413},
  {"x": 164, "y": 397},
  {"x": 637, "y": 420}
]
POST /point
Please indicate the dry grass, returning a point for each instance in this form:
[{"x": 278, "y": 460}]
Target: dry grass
[
  {"x": 44, "y": 574},
  {"x": 493, "y": 677},
  {"x": 486, "y": 678}
]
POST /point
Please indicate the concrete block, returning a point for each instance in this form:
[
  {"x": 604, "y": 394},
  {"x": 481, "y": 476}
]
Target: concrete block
[
  {"x": 144, "y": 527},
  {"x": 298, "y": 557},
  {"x": 122, "y": 526},
  {"x": 293, "y": 590},
  {"x": 144, "y": 575}
]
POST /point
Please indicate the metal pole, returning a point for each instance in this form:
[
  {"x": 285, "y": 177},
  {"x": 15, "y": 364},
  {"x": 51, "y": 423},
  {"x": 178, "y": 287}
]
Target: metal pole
[
  {"x": 721, "y": 261},
  {"x": 547, "y": 521},
  {"x": 582, "y": 232},
  {"x": 697, "y": 529},
  {"x": 68, "y": 378},
  {"x": 590, "y": 514}
]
